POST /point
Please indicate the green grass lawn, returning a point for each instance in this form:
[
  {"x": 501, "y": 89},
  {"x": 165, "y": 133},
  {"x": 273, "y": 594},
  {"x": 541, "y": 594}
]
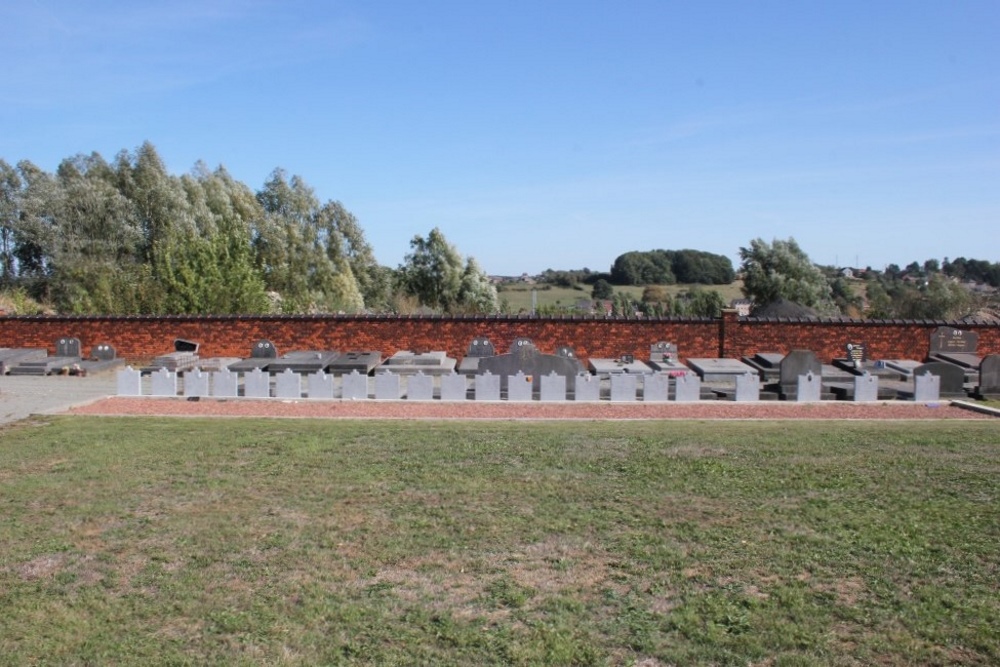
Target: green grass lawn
[
  {"x": 518, "y": 295},
  {"x": 188, "y": 541}
]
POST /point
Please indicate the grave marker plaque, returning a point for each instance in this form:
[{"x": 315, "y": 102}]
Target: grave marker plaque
[
  {"x": 951, "y": 340},
  {"x": 857, "y": 354},
  {"x": 586, "y": 387},
  {"x": 68, "y": 347}
]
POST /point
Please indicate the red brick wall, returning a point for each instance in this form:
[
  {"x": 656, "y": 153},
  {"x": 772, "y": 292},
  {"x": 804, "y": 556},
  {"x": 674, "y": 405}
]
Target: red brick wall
[{"x": 141, "y": 338}]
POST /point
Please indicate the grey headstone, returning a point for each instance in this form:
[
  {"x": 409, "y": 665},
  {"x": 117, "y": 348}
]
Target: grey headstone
[
  {"x": 525, "y": 358},
  {"x": 257, "y": 384},
  {"x": 796, "y": 363},
  {"x": 196, "y": 383},
  {"x": 354, "y": 386},
  {"x": 747, "y": 388},
  {"x": 655, "y": 388},
  {"x": 487, "y": 387},
  {"x": 663, "y": 351},
  {"x": 129, "y": 382},
  {"x": 68, "y": 347},
  {"x": 926, "y": 387},
  {"x": 553, "y": 387},
  {"x": 454, "y": 387},
  {"x": 319, "y": 385},
  {"x": 586, "y": 387},
  {"x": 163, "y": 383},
  {"x": 623, "y": 387},
  {"x": 480, "y": 347},
  {"x": 566, "y": 351},
  {"x": 952, "y": 376},
  {"x": 809, "y": 388},
  {"x": 420, "y": 387},
  {"x": 687, "y": 388},
  {"x": 949, "y": 339},
  {"x": 288, "y": 384},
  {"x": 989, "y": 374},
  {"x": 225, "y": 383},
  {"x": 103, "y": 352},
  {"x": 387, "y": 387},
  {"x": 866, "y": 388},
  {"x": 519, "y": 387},
  {"x": 263, "y": 349}
]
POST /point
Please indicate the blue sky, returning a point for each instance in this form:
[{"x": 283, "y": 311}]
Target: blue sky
[{"x": 548, "y": 134}]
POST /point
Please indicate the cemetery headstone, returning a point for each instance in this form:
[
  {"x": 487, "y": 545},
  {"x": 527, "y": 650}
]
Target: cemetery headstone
[
  {"x": 387, "y": 387},
  {"x": 288, "y": 384},
  {"x": 747, "y": 388},
  {"x": 319, "y": 385},
  {"x": 103, "y": 352},
  {"x": 257, "y": 384},
  {"x": 866, "y": 388},
  {"x": 586, "y": 387},
  {"x": 952, "y": 382},
  {"x": 519, "y": 387},
  {"x": 989, "y": 377},
  {"x": 454, "y": 387},
  {"x": 129, "y": 382},
  {"x": 480, "y": 347},
  {"x": 225, "y": 383},
  {"x": 808, "y": 388},
  {"x": 926, "y": 387},
  {"x": 163, "y": 383},
  {"x": 420, "y": 387},
  {"x": 950, "y": 339},
  {"x": 687, "y": 388},
  {"x": 354, "y": 386},
  {"x": 796, "y": 363},
  {"x": 68, "y": 347},
  {"x": 655, "y": 388},
  {"x": 487, "y": 387},
  {"x": 195, "y": 383},
  {"x": 623, "y": 387},
  {"x": 553, "y": 387},
  {"x": 857, "y": 354}
]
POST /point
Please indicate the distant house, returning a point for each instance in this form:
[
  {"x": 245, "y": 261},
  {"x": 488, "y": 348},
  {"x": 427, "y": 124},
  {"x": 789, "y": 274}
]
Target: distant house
[{"x": 742, "y": 306}]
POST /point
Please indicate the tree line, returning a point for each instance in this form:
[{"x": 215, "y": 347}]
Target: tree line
[{"x": 126, "y": 237}]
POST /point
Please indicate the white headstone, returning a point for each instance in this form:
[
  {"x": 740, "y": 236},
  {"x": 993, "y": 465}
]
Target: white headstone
[
  {"x": 164, "y": 383},
  {"x": 420, "y": 387},
  {"x": 195, "y": 383},
  {"x": 257, "y": 384},
  {"x": 354, "y": 386},
  {"x": 288, "y": 384},
  {"x": 926, "y": 388},
  {"x": 748, "y": 387},
  {"x": 487, "y": 387},
  {"x": 319, "y": 385},
  {"x": 519, "y": 387},
  {"x": 687, "y": 388},
  {"x": 387, "y": 387},
  {"x": 454, "y": 387},
  {"x": 808, "y": 388},
  {"x": 655, "y": 388},
  {"x": 586, "y": 387},
  {"x": 553, "y": 387},
  {"x": 623, "y": 387},
  {"x": 129, "y": 382},
  {"x": 865, "y": 388}
]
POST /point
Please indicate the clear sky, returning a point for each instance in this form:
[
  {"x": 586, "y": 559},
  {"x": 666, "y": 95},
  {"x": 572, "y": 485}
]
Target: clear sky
[{"x": 547, "y": 134}]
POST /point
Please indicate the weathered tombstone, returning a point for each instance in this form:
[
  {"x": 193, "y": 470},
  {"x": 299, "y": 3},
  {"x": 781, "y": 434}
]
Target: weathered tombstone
[
  {"x": 420, "y": 387},
  {"x": 687, "y": 388},
  {"x": 586, "y": 387},
  {"x": 926, "y": 387},
  {"x": 262, "y": 353},
  {"x": 354, "y": 386},
  {"x": 857, "y": 354},
  {"x": 454, "y": 387},
  {"x": 747, "y": 388},
  {"x": 163, "y": 383},
  {"x": 525, "y": 358},
  {"x": 480, "y": 347},
  {"x": 257, "y": 384},
  {"x": 952, "y": 377},
  {"x": 553, "y": 387},
  {"x": 68, "y": 347},
  {"x": 319, "y": 385},
  {"x": 195, "y": 383},
  {"x": 655, "y": 388},
  {"x": 387, "y": 387},
  {"x": 288, "y": 384},
  {"x": 808, "y": 388},
  {"x": 989, "y": 377},
  {"x": 486, "y": 387},
  {"x": 796, "y": 363},
  {"x": 623, "y": 387},
  {"x": 103, "y": 352},
  {"x": 129, "y": 382},
  {"x": 866, "y": 388},
  {"x": 519, "y": 387},
  {"x": 566, "y": 351},
  {"x": 225, "y": 383}
]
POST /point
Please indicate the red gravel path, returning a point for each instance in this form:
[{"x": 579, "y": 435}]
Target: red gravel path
[{"x": 371, "y": 409}]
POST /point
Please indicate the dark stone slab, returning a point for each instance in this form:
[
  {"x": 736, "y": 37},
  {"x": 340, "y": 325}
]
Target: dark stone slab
[
  {"x": 102, "y": 357},
  {"x": 989, "y": 377},
  {"x": 949, "y": 339},
  {"x": 405, "y": 362},
  {"x": 524, "y": 357},
  {"x": 262, "y": 353},
  {"x": 796, "y": 363},
  {"x": 302, "y": 361},
  {"x": 12, "y": 356},
  {"x": 362, "y": 362},
  {"x": 68, "y": 347},
  {"x": 963, "y": 359},
  {"x": 719, "y": 370},
  {"x": 480, "y": 347}
]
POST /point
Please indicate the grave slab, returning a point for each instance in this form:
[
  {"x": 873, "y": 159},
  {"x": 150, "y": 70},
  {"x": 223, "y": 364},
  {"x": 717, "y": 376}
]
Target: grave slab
[
  {"x": 586, "y": 387},
  {"x": 608, "y": 367},
  {"x": 163, "y": 383},
  {"x": 257, "y": 384},
  {"x": 655, "y": 388},
  {"x": 623, "y": 387},
  {"x": 405, "y": 362},
  {"x": 362, "y": 362},
  {"x": 808, "y": 388},
  {"x": 747, "y": 388},
  {"x": 454, "y": 387},
  {"x": 387, "y": 386},
  {"x": 196, "y": 383},
  {"x": 288, "y": 384},
  {"x": 225, "y": 384},
  {"x": 719, "y": 370},
  {"x": 129, "y": 382},
  {"x": 320, "y": 385},
  {"x": 262, "y": 353},
  {"x": 687, "y": 388},
  {"x": 519, "y": 387},
  {"x": 303, "y": 361},
  {"x": 486, "y": 387},
  {"x": 354, "y": 386}
]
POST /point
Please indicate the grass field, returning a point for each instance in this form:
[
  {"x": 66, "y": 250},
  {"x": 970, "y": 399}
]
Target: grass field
[
  {"x": 518, "y": 295},
  {"x": 184, "y": 541}
]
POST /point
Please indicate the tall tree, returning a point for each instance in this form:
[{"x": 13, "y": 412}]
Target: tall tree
[
  {"x": 781, "y": 270},
  {"x": 434, "y": 273}
]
